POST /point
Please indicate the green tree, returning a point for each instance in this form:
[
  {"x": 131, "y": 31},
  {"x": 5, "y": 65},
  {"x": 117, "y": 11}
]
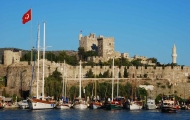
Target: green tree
[
  {"x": 154, "y": 60},
  {"x": 51, "y": 56},
  {"x": 53, "y": 84},
  {"x": 106, "y": 74},
  {"x": 62, "y": 56},
  {"x": 73, "y": 92},
  {"x": 128, "y": 89},
  {"x": 100, "y": 75},
  {"x": 142, "y": 92},
  {"x": 90, "y": 74},
  {"x": 136, "y": 62},
  {"x": 81, "y": 53},
  {"x": 90, "y": 54},
  {"x": 126, "y": 75}
]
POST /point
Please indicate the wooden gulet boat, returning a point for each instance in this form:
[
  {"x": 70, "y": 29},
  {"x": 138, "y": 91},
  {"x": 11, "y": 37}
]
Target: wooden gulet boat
[{"x": 43, "y": 102}]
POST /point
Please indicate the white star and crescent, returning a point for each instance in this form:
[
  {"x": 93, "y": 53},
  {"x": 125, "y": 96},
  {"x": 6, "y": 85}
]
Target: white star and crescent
[{"x": 27, "y": 16}]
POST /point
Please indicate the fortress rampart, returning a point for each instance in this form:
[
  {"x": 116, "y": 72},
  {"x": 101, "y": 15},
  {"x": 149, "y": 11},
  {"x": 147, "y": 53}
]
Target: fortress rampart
[{"x": 19, "y": 75}]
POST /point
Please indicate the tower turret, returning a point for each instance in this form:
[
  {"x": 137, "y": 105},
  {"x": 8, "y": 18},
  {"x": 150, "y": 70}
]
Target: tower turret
[
  {"x": 174, "y": 55},
  {"x": 80, "y": 36}
]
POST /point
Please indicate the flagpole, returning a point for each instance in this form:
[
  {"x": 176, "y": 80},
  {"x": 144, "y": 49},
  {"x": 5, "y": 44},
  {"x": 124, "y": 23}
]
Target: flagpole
[
  {"x": 31, "y": 49},
  {"x": 31, "y": 37}
]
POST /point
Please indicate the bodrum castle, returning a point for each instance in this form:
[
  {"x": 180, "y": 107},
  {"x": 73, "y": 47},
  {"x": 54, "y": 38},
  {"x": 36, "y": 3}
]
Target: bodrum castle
[{"x": 20, "y": 75}]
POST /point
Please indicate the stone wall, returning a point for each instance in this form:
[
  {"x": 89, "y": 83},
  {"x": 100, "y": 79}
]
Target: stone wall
[
  {"x": 3, "y": 70},
  {"x": 11, "y": 57},
  {"x": 20, "y": 75},
  {"x": 88, "y": 41}
]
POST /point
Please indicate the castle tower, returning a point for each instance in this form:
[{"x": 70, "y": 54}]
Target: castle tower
[
  {"x": 174, "y": 55},
  {"x": 105, "y": 46},
  {"x": 88, "y": 42},
  {"x": 12, "y": 56}
]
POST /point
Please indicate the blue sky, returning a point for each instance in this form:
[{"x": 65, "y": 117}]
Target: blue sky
[{"x": 140, "y": 27}]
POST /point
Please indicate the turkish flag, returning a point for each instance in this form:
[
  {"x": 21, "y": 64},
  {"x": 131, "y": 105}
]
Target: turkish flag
[{"x": 27, "y": 16}]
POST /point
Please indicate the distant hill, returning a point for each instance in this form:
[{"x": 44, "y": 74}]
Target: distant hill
[{"x": 69, "y": 52}]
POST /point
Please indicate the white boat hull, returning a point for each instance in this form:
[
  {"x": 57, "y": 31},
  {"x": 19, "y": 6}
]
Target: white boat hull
[
  {"x": 95, "y": 106},
  {"x": 64, "y": 106},
  {"x": 35, "y": 104},
  {"x": 151, "y": 107},
  {"x": 135, "y": 107},
  {"x": 39, "y": 105},
  {"x": 80, "y": 106},
  {"x": 150, "y": 104},
  {"x": 23, "y": 104}
]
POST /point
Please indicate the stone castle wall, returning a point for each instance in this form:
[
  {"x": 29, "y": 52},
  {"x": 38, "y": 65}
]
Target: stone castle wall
[
  {"x": 20, "y": 75},
  {"x": 11, "y": 57},
  {"x": 3, "y": 70}
]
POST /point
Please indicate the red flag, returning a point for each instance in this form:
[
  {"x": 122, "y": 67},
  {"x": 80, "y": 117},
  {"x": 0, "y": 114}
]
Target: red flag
[{"x": 27, "y": 16}]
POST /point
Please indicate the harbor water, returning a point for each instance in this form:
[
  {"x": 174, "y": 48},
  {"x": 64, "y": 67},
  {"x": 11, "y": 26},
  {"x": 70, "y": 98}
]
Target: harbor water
[{"x": 88, "y": 114}]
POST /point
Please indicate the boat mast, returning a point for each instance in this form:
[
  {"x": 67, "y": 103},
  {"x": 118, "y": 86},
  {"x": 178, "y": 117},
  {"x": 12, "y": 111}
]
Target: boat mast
[
  {"x": 63, "y": 77},
  {"x": 173, "y": 81},
  {"x": 43, "y": 61},
  {"x": 132, "y": 84},
  {"x": 38, "y": 61},
  {"x": 95, "y": 91},
  {"x": 65, "y": 82},
  {"x": 112, "y": 80},
  {"x": 80, "y": 81},
  {"x": 118, "y": 83}
]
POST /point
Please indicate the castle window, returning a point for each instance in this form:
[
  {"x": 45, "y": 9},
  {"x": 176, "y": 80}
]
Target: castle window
[{"x": 109, "y": 43}]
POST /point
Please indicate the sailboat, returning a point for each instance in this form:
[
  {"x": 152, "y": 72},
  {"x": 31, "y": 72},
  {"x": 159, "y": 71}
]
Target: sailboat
[
  {"x": 42, "y": 102},
  {"x": 64, "y": 103},
  {"x": 80, "y": 103},
  {"x": 115, "y": 104},
  {"x": 133, "y": 104},
  {"x": 96, "y": 102}
]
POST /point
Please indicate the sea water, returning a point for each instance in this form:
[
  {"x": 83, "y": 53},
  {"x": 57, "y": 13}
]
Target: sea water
[{"x": 88, "y": 114}]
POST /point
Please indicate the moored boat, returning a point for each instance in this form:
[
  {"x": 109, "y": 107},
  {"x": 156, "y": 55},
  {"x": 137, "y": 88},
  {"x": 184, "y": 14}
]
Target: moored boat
[
  {"x": 23, "y": 104},
  {"x": 64, "y": 102},
  {"x": 43, "y": 102},
  {"x": 2, "y": 104},
  {"x": 63, "y": 105},
  {"x": 46, "y": 103},
  {"x": 80, "y": 103},
  {"x": 168, "y": 104},
  {"x": 114, "y": 105},
  {"x": 133, "y": 105},
  {"x": 150, "y": 104},
  {"x": 95, "y": 105}
]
